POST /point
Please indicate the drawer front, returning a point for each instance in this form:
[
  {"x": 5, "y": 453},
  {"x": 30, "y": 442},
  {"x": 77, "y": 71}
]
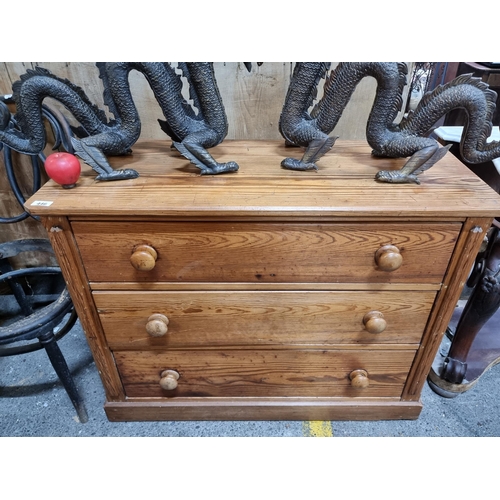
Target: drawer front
[
  {"x": 263, "y": 373},
  {"x": 237, "y": 318},
  {"x": 267, "y": 253}
]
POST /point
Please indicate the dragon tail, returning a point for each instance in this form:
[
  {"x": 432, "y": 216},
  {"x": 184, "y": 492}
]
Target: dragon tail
[
  {"x": 479, "y": 102},
  {"x": 42, "y": 72},
  {"x": 29, "y": 92}
]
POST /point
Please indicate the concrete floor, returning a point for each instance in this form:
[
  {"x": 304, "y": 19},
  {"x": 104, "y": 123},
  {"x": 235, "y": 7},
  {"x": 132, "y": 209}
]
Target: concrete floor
[{"x": 34, "y": 403}]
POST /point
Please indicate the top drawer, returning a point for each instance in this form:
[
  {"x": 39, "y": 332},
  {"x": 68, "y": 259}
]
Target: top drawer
[{"x": 266, "y": 252}]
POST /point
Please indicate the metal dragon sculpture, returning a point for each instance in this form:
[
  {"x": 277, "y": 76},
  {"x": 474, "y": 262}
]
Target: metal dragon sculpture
[
  {"x": 388, "y": 139},
  {"x": 192, "y": 132}
]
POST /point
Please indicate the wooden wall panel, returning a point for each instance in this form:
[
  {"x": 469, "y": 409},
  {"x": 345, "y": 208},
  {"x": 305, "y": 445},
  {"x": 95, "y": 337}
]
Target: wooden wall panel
[{"x": 253, "y": 101}]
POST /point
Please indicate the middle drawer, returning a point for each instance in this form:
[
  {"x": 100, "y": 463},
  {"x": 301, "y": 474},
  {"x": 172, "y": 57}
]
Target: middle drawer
[{"x": 238, "y": 318}]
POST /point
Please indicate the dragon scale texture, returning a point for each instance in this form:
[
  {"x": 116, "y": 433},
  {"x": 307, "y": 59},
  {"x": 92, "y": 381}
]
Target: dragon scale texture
[
  {"x": 192, "y": 133},
  {"x": 468, "y": 93},
  {"x": 387, "y": 138}
]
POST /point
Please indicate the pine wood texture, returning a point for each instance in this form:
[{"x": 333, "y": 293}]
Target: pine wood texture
[
  {"x": 270, "y": 318},
  {"x": 271, "y": 253},
  {"x": 62, "y": 241},
  {"x": 264, "y": 373},
  {"x": 170, "y": 187},
  {"x": 265, "y": 278},
  {"x": 461, "y": 263},
  {"x": 291, "y": 408}
]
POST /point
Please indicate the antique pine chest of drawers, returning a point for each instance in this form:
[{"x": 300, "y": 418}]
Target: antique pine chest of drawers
[{"x": 266, "y": 293}]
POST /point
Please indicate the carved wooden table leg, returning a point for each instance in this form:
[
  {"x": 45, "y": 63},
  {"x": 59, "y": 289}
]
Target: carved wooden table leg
[{"x": 476, "y": 344}]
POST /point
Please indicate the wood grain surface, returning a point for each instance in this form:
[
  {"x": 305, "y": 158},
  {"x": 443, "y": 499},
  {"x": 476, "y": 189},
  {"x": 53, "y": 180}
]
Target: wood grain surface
[
  {"x": 63, "y": 242},
  {"x": 344, "y": 186},
  {"x": 272, "y": 253},
  {"x": 264, "y": 372},
  {"x": 261, "y": 318},
  {"x": 265, "y": 408}
]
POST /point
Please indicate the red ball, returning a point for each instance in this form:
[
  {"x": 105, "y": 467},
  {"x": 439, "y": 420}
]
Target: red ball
[{"x": 64, "y": 168}]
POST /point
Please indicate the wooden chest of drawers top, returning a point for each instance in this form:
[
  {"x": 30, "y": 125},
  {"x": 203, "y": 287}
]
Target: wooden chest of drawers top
[{"x": 169, "y": 187}]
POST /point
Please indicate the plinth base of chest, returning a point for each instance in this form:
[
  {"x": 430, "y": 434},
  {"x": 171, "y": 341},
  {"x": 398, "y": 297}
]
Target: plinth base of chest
[{"x": 263, "y": 409}]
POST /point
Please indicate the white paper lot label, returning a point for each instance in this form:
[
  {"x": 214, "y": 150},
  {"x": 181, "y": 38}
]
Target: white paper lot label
[{"x": 41, "y": 203}]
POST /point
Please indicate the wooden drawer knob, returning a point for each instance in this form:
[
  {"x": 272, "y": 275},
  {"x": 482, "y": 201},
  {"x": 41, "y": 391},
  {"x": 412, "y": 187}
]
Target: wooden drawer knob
[
  {"x": 388, "y": 258},
  {"x": 374, "y": 322},
  {"x": 359, "y": 379},
  {"x": 143, "y": 258},
  {"x": 157, "y": 325},
  {"x": 168, "y": 380}
]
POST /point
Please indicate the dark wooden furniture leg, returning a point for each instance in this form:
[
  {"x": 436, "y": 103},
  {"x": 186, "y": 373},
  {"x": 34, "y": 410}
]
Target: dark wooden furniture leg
[{"x": 475, "y": 346}]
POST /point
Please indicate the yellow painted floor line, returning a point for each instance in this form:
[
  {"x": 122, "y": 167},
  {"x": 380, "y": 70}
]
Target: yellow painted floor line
[{"x": 317, "y": 428}]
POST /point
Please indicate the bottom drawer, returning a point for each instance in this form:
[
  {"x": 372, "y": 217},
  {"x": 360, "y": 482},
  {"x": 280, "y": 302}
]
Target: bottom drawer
[{"x": 264, "y": 373}]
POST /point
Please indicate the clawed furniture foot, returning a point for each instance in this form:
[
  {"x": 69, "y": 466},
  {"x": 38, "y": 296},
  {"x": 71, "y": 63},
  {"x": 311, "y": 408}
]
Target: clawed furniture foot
[{"x": 475, "y": 342}]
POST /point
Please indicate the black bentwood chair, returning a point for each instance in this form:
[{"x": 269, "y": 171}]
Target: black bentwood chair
[{"x": 44, "y": 314}]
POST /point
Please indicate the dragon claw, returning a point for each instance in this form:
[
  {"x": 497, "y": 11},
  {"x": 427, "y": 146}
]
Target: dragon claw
[
  {"x": 396, "y": 177},
  {"x": 118, "y": 175},
  {"x": 202, "y": 159},
  {"x": 294, "y": 164},
  {"x": 220, "y": 168}
]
